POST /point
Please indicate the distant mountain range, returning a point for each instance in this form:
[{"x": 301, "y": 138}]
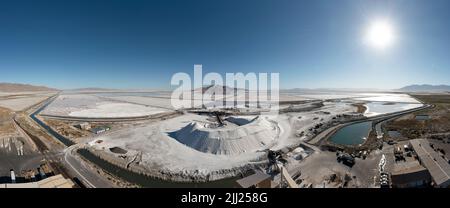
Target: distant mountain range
[
  {"x": 425, "y": 88},
  {"x": 15, "y": 87}
]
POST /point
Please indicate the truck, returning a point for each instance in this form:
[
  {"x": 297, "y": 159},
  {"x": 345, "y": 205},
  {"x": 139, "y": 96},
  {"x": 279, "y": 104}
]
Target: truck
[{"x": 346, "y": 159}]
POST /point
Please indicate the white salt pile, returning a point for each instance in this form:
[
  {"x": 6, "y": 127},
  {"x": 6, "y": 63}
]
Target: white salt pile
[{"x": 259, "y": 134}]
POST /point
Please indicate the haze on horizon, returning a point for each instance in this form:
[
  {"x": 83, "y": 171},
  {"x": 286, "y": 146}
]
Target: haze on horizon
[{"x": 140, "y": 44}]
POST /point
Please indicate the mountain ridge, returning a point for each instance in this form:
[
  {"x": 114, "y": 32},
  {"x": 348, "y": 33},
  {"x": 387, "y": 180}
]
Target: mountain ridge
[
  {"x": 17, "y": 87},
  {"x": 425, "y": 88}
]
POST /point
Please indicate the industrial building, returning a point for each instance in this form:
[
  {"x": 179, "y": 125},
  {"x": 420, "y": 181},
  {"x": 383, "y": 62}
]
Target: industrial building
[
  {"x": 57, "y": 181},
  {"x": 100, "y": 129},
  {"x": 410, "y": 174},
  {"x": 407, "y": 172},
  {"x": 83, "y": 126},
  {"x": 438, "y": 168},
  {"x": 257, "y": 180}
]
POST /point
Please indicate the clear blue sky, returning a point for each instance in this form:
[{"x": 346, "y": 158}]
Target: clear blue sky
[{"x": 140, "y": 44}]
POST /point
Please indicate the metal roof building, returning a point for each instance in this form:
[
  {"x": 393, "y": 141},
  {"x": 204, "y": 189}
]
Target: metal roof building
[
  {"x": 257, "y": 180},
  {"x": 410, "y": 174},
  {"x": 57, "y": 181},
  {"x": 436, "y": 165}
]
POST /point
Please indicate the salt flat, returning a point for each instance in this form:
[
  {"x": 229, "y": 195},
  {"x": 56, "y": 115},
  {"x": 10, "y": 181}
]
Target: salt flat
[
  {"x": 160, "y": 102},
  {"x": 161, "y": 151},
  {"x": 387, "y": 97},
  {"x": 194, "y": 145},
  {"x": 116, "y": 110},
  {"x": 92, "y": 106},
  {"x": 18, "y": 104},
  {"x": 379, "y": 108}
]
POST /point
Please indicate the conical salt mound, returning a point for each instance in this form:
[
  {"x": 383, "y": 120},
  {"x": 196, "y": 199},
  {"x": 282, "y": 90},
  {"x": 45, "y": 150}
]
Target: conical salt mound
[{"x": 251, "y": 137}]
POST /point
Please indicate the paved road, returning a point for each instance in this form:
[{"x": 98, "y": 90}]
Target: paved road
[
  {"x": 73, "y": 166},
  {"x": 84, "y": 173}
]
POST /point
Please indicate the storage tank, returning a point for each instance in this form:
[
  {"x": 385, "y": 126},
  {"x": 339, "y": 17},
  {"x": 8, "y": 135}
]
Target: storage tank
[{"x": 13, "y": 176}]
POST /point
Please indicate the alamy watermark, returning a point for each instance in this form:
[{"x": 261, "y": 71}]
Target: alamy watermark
[{"x": 251, "y": 92}]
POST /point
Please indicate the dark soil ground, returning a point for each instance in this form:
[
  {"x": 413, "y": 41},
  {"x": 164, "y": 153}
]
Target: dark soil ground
[{"x": 437, "y": 126}]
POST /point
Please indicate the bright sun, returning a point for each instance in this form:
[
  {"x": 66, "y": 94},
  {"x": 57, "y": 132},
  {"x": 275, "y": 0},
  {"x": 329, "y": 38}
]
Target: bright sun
[{"x": 380, "y": 34}]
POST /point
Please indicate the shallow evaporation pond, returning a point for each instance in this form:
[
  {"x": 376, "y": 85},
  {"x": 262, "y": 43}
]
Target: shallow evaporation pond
[
  {"x": 138, "y": 94},
  {"x": 422, "y": 117},
  {"x": 150, "y": 182},
  {"x": 353, "y": 134}
]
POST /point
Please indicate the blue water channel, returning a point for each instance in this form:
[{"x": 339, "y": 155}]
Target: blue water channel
[{"x": 61, "y": 138}]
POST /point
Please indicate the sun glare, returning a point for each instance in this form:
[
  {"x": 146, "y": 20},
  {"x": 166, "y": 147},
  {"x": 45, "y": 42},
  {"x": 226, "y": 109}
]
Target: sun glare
[{"x": 380, "y": 34}]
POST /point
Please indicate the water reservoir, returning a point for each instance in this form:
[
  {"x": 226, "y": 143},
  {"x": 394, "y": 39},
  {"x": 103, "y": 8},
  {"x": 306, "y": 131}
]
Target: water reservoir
[{"x": 353, "y": 134}]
